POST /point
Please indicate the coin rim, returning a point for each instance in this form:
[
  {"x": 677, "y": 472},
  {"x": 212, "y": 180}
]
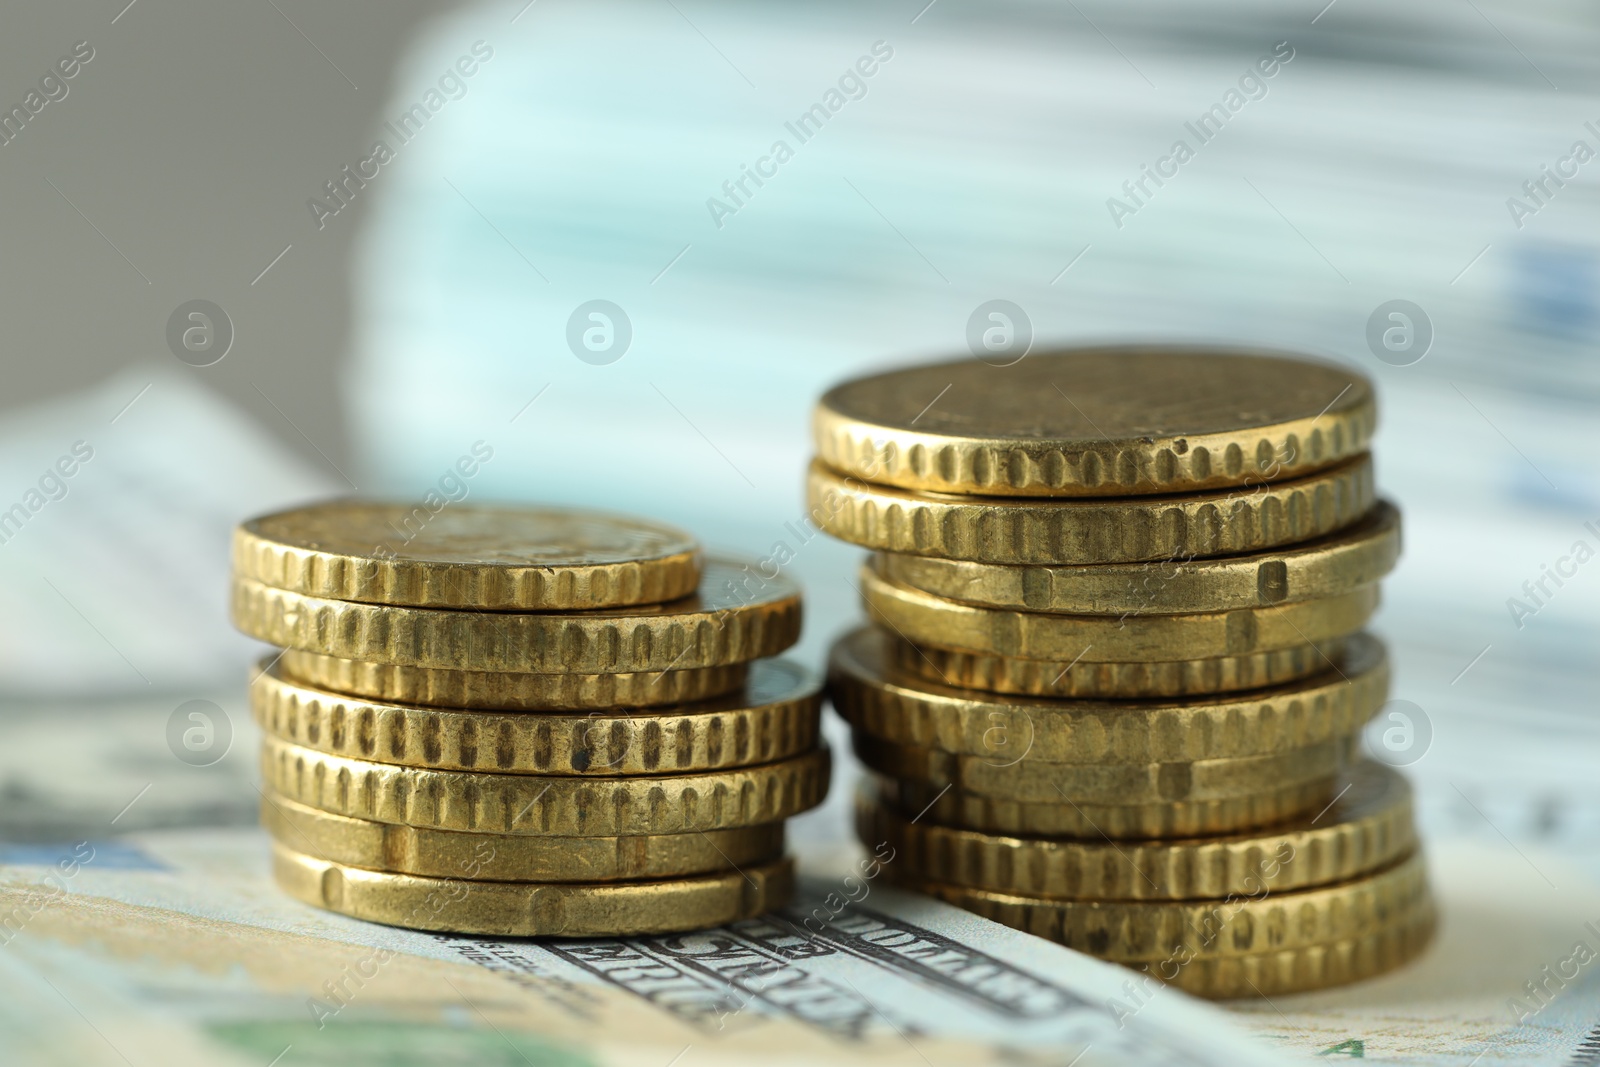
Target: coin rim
[
  {"x": 292, "y": 711},
  {"x": 321, "y": 829},
  {"x": 890, "y": 455},
  {"x": 925, "y": 619},
  {"x": 1133, "y": 923},
  {"x": 459, "y": 690},
  {"x": 414, "y": 582},
  {"x": 623, "y": 640},
  {"x": 1335, "y": 563},
  {"x": 1090, "y": 530},
  {"x": 1356, "y": 836},
  {"x": 873, "y": 695},
  {"x": 331, "y": 886},
  {"x": 571, "y": 806}
]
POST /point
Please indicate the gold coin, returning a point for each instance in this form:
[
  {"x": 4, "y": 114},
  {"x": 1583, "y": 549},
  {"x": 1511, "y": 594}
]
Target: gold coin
[
  {"x": 875, "y": 697},
  {"x": 1033, "y": 781},
  {"x": 487, "y": 557},
  {"x": 1317, "y": 966},
  {"x": 1270, "y": 804},
  {"x": 546, "y": 805},
  {"x": 1102, "y": 421},
  {"x": 925, "y": 619},
  {"x": 503, "y": 691},
  {"x": 512, "y": 909},
  {"x": 506, "y": 858},
  {"x": 1328, "y": 567},
  {"x": 774, "y": 718},
  {"x": 729, "y": 621},
  {"x": 1148, "y": 932},
  {"x": 1367, "y": 828},
  {"x": 1061, "y": 678},
  {"x": 1090, "y": 531}
]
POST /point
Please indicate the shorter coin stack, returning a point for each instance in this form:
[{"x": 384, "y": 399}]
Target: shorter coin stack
[
  {"x": 523, "y": 721},
  {"x": 1117, "y": 679}
]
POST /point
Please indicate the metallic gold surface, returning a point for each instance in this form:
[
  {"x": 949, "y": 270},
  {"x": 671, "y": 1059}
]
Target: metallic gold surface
[
  {"x": 488, "y": 557},
  {"x": 502, "y": 691},
  {"x": 1104, "y": 421},
  {"x": 734, "y": 618},
  {"x": 510, "y": 909},
  {"x": 1062, "y": 678},
  {"x": 1147, "y": 932},
  {"x": 1019, "y": 530},
  {"x": 1327, "y": 567},
  {"x": 533, "y": 805},
  {"x": 775, "y": 717},
  {"x": 507, "y": 858},
  {"x": 1367, "y": 828},
  {"x": 1034, "y": 781},
  {"x": 1060, "y": 818},
  {"x": 925, "y": 619},
  {"x": 1310, "y": 967},
  {"x": 891, "y": 703}
]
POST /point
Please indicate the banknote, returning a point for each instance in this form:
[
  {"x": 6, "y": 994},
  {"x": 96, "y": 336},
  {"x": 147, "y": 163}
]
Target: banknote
[
  {"x": 173, "y": 947},
  {"x": 1513, "y": 976}
]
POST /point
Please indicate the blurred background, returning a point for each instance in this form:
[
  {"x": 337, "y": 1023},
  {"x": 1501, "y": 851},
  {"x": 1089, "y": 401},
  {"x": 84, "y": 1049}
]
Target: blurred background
[{"x": 265, "y": 252}]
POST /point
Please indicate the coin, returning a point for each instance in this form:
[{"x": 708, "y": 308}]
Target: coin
[
  {"x": 1149, "y": 932},
  {"x": 775, "y": 717},
  {"x": 448, "y": 554},
  {"x": 730, "y": 620},
  {"x": 1034, "y": 781},
  {"x": 1314, "y": 966},
  {"x": 1327, "y": 567},
  {"x": 1060, "y": 678},
  {"x": 1060, "y": 818},
  {"x": 1367, "y": 828},
  {"x": 925, "y": 619},
  {"x": 1103, "y": 421},
  {"x": 511, "y": 909},
  {"x": 503, "y": 691},
  {"x": 875, "y": 697},
  {"x": 1090, "y": 531},
  {"x": 507, "y": 858},
  {"x": 546, "y": 805}
]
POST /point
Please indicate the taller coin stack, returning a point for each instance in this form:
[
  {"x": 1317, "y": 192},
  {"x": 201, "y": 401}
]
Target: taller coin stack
[
  {"x": 521, "y": 722},
  {"x": 1116, "y": 679}
]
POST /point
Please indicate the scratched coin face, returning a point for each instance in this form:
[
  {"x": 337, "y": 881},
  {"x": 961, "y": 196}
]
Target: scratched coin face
[
  {"x": 436, "y": 552},
  {"x": 1109, "y": 421}
]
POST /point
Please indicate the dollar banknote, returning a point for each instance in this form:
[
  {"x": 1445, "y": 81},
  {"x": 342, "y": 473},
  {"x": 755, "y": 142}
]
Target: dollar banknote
[{"x": 174, "y": 947}]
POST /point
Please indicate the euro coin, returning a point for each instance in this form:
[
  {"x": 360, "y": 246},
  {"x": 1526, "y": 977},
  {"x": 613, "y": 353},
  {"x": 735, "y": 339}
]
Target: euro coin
[
  {"x": 546, "y": 805},
  {"x": 487, "y": 557},
  {"x": 1368, "y": 827},
  {"x": 1154, "y": 679},
  {"x": 1100, "y": 421},
  {"x": 774, "y": 718},
  {"x": 1321, "y": 965},
  {"x": 512, "y": 909},
  {"x": 1018, "y": 530},
  {"x": 1327, "y": 567},
  {"x": 1032, "y": 781},
  {"x": 735, "y": 617},
  {"x": 879, "y": 699},
  {"x": 924, "y": 619},
  {"x": 1150, "y": 932},
  {"x": 504, "y": 691},
  {"x": 507, "y": 858},
  {"x": 949, "y": 806}
]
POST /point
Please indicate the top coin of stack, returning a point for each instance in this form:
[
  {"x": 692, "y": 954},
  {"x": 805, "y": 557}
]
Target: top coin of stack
[
  {"x": 1118, "y": 594},
  {"x": 523, "y": 721}
]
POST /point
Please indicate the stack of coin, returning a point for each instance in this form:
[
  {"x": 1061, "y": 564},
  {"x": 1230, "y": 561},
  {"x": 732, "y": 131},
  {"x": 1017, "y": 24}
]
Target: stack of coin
[
  {"x": 523, "y": 721},
  {"x": 1116, "y": 676}
]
